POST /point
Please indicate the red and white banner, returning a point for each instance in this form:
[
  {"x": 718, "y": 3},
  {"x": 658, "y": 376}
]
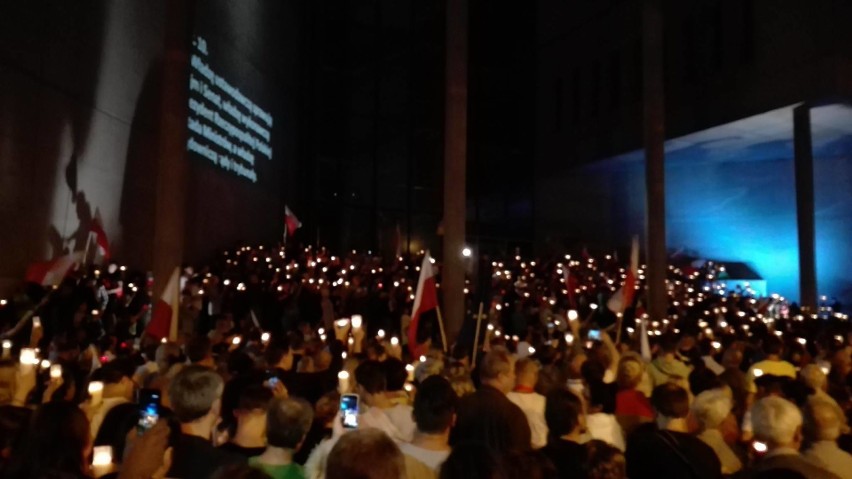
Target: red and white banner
[
  {"x": 425, "y": 299},
  {"x": 623, "y": 298},
  {"x": 164, "y": 318},
  {"x": 100, "y": 237},
  {"x": 291, "y": 223},
  {"x": 51, "y": 273}
]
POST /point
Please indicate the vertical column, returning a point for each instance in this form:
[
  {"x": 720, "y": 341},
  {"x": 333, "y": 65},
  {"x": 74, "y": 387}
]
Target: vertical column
[
  {"x": 654, "y": 117},
  {"x": 804, "y": 168},
  {"x": 169, "y": 200},
  {"x": 455, "y": 159}
]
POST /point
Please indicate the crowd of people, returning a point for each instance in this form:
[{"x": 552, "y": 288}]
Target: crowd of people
[{"x": 547, "y": 379}]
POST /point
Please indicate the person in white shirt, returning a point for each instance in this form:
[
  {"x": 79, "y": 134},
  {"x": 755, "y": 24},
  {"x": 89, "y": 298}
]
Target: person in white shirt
[
  {"x": 530, "y": 402},
  {"x": 822, "y": 424},
  {"x": 434, "y": 413},
  {"x": 118, "y": 389},
  {"x": 377, "y": 410}
]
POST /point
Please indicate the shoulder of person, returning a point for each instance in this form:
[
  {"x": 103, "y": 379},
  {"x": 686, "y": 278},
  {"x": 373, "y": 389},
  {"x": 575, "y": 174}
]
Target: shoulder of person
[{"x": 416, "y": 469}]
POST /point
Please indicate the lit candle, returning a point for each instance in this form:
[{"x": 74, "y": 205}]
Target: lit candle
[
  {"x": 357, "y": 320},
  {"x": 264, "y": 338},
  {"x": 7, "y": 348},
  {"x": 343, "y": 382},
  {"x": 409, "y": 368},
  {"x": 394, "y": 341},
  {"x": 96, "y": 392},
  {"x": 55, "y": 371},
  {"x": 102, "y": 460},
  {"x": 381, "y": 334}
]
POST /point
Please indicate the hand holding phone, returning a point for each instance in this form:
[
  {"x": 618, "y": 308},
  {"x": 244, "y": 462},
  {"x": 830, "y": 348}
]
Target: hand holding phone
[
  {"x": 594, "y": 334},
  {"x": 149, "y": 409}
]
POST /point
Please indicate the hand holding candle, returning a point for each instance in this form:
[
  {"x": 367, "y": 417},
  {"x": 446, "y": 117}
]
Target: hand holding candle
[
  {"x": 343, "y": 382},
  {"x": 96, "y": 392}
]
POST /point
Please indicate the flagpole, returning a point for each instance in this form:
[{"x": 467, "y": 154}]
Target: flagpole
[
  {"x": 86, "y": 249},
  {"x": 441, "y": 327},
  {"x": 476, "y": 337}
]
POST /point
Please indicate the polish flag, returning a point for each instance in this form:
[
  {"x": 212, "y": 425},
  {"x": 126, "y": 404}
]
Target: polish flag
[
  {"x": 164, "y": 318},
  {"x": 624, "y": 296},
  {"x": 291, "y": 223},
  {"x": 425, "y": 299},
  {"x": 100, "y": 237},
  {"x": 571, "y": 286},
  {"x": 51, "y": 273}
]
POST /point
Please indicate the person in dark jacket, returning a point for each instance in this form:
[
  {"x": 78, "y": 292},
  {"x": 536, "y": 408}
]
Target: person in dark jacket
[{"x": 489, "y": 416}]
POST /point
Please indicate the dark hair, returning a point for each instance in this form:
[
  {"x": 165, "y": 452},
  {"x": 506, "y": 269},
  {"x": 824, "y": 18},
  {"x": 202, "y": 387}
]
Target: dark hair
[
  {"x": 434, "y": 405},
  {"x": 603, "y": 461},
  {"x": 703, "y": 379},
  {"x": 254, "y": 396},
  {"x": 276, "y": 351},
  {"x": 529, "y": 464},
  {"x": 371, "y": 376},
  {"x": 669, "y": 342},
  {"x": 670, "y": 400},
  {"x": 395, "y": 374},
  {"x": 773, "y": 345},
  {"x": 472, "y": 460},
  {"x": 562, "y": 412},
  {"x": 240, "y": 362},
  {"x": 198, "y": 348},
  {"x": 113, "y": 372},
  {"x": 54, "y": 444},
  {"x": 287, "y": 422}
]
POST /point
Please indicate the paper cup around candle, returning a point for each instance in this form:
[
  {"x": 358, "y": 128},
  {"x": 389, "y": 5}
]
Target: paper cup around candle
[
  {"x": 96, "y": 391},
  {"x": 28, "y": 357},
  {"x": 381, "y": 334},
  {"x": 343, "y": 381},
  {"x": 341, "y": 323},
  {"x": 264, "y": 337},
  {"x": 102, "y": 456},
  {"x": 395, "y": 341},
  {"x": 357, "y": 321},
  {"x": 55, "y": 371}
]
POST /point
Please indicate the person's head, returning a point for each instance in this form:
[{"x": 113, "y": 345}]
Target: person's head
[
  {"x": 196, "y": 395},
  {"x": 116, "y": 379},
  {"x": 497, "y": 370},
  {"x": 777, "y": 422},
  {"x": 57, "y": 441},
  {"x": 365, "y": 454},
  {"x": 370, "y": 380},
  {"x": 563, "y": 413},
  {"x": 199, "y": 350},
  {"x": 526, "y": 372},
  {"x": 167, "y": 355},
  {"x": 395, "y": 374},
  {"x": 813, "y": 377},
  {"x": 325, "y": 411},
  {"x": 773, "y": 346},
  {"x": 733, "y": 357},
  {"x": 287, "y": 422},
  {"x": 435, "y": 406},
  {"x": 711, "y": 408},
  {"x": 279, "y": 355},
  {"x": 250, "y": 411},
  {"x": 603, "y": 461},
  {"x": 630, "y": 371},
  {"x": 822, "y": 420},
  {"x": 669, "y": 343},
  {"x": 531, "y": 464},
  {"x": 472, "y": 460},
  {"x": 670, "y": 402}
]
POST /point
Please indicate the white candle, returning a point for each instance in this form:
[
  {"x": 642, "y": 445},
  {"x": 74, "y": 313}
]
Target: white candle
[
  {"x": 55, "y": 371},
  {"x": 381, "y": 334},
  {"x": 101, "y": 460},
  {"x": 394, "y": 341},
  {"x": 96, "y": 391},
  {"x": 28, "y": 357},
  {"x": 7, "y": 348},
  {"x": 341, "y": 323},
  {"x": 410, "y": 369},
  {"x": 357, "y": 320},
  {"x": 264, "y": 338},
  {"x": 343, "y": 382}
]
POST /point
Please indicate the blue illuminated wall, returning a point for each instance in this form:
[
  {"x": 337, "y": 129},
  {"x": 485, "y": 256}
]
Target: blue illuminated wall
[{"x": 730, "y": 196}]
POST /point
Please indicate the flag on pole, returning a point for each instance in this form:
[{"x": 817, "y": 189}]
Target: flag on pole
[
  {"x": 624, "y": 296},
  {"x": 571, "y": 286},
  {"x": 425, "y": 299},
  {"x": 164, "y": 319},
  {"x": 291, "y": 223},
  {"x": 51, "y": 273},
  {"x": 100, "y": 236}
]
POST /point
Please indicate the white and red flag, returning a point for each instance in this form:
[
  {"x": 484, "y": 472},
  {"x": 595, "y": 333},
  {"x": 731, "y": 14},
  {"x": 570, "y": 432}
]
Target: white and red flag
[
  {"x": 97, "y": 228},
  {"x": 623, "y": 298},
  {"x": 164, "y": 318},
  {"x": 425, "y": 299},
  {"x": 51, "y": 273},
  {"x": 291, "y": 223}
]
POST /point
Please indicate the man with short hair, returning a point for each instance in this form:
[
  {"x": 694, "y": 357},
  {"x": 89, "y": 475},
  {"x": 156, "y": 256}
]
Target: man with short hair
[
  {"x": 377, "y": 410},
  {"x": 250, "y": 437},
  {"x": 488, "y": 415},
  {"x": 530, "y": 402},
  {"x": 434, "y": 413},
  {"x": 566, "y": 427},
  {"x": 822, "y": 423},
  {"x": 287, "y": 424},
  {"x": 365, "y": 454},
  {"x": 665, "y": 449},
  {"x": 196, "y": 399},
  {"x": 778, "y": 424},
  {"x": 773, "y": 365},
  {"x": 667, "y": 367},
  {"x": 712, "y": 410},
  {"x": 199, "y": 350}
]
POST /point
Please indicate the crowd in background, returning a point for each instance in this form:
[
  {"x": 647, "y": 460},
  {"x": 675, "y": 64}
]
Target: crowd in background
[{"x": 546, "y": 379}]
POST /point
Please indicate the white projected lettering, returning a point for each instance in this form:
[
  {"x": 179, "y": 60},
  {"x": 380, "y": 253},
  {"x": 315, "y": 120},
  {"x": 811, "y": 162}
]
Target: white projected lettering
[{"x": 225, "y": 126}]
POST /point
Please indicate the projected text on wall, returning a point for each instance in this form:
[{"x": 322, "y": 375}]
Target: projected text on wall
[{"x": 225, "y": 126}]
